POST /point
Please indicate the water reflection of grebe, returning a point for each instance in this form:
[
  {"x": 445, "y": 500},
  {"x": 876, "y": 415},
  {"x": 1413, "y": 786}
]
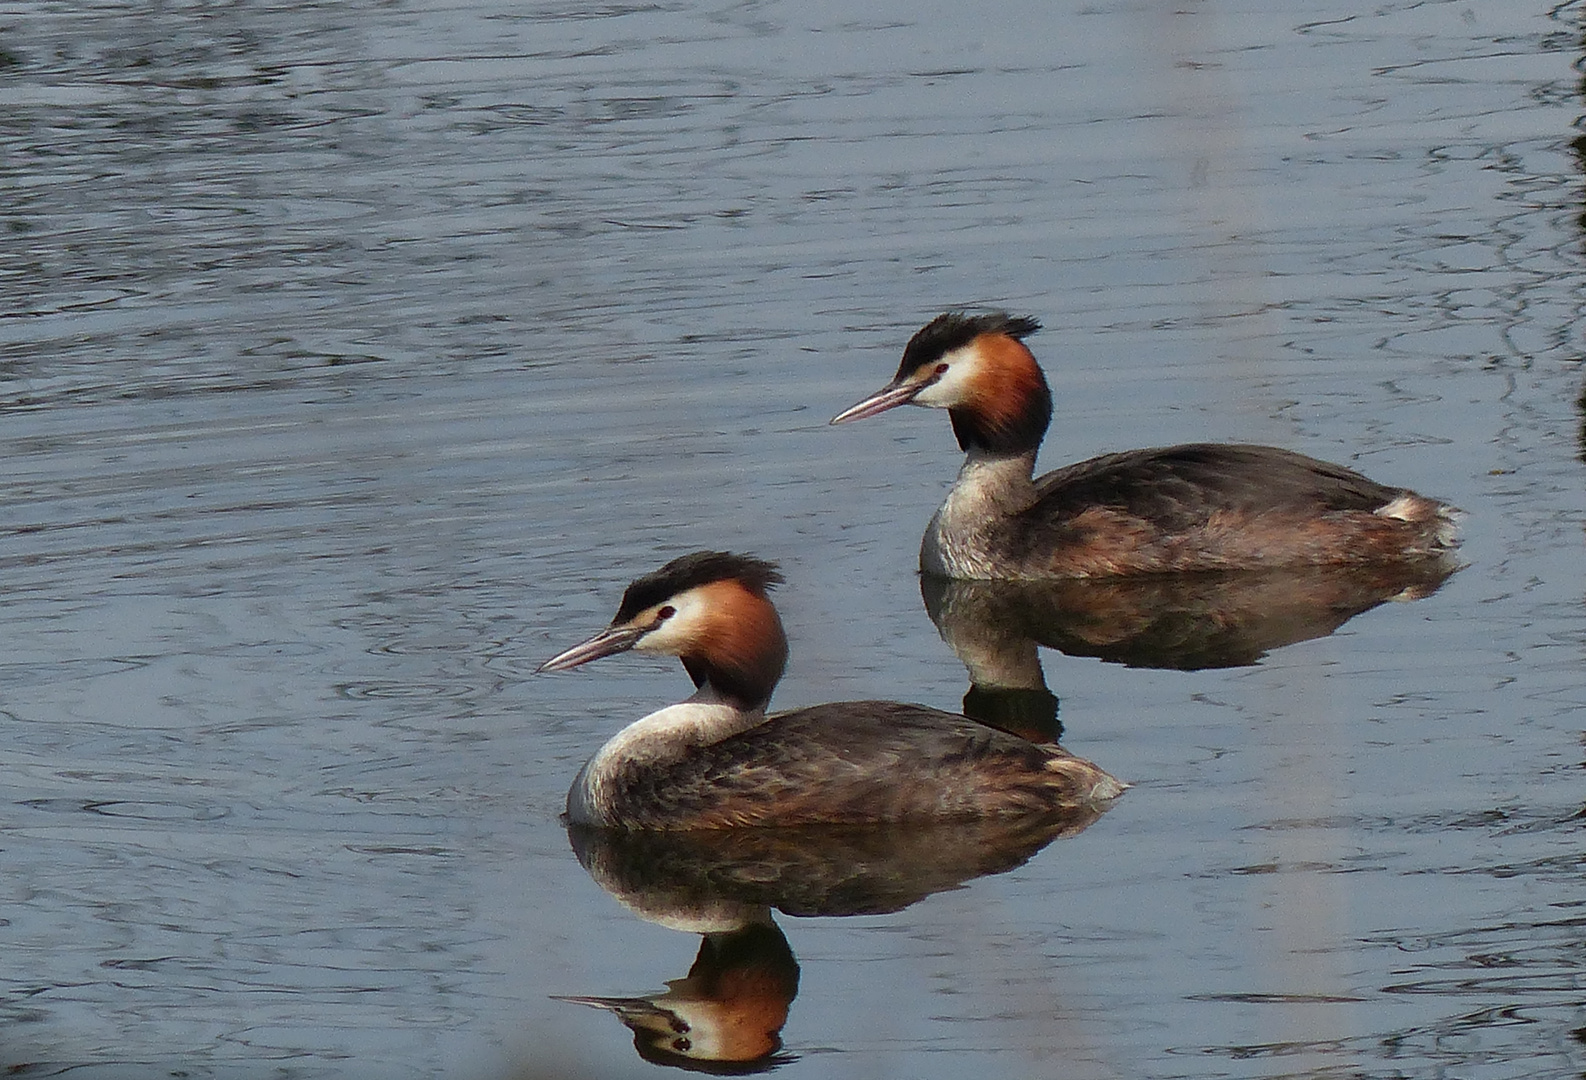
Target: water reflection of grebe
[
  {"x": 701, "y": 880},
  {"x": 717, "y": 760},
  {"x": 726, "y": 1015},
  {"x": 1205, "y": 506},
  {"x": 723, "y": 884},
  {"x": 1181, "y": 621}
]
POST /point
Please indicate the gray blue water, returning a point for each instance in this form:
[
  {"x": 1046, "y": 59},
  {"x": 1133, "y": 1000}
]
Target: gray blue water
[{"x": 353, "y": 357}]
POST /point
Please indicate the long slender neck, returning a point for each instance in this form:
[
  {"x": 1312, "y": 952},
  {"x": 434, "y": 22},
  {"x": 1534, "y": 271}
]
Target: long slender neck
[
  {"x": 962, "y": 539},
  {"x": 992, "y": 484}
]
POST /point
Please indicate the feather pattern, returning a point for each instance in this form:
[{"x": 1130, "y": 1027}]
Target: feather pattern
[{"x": 871, "y": 761}]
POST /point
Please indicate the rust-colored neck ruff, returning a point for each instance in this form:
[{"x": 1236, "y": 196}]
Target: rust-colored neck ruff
[
  {"x": 741, "y": 649},
  {"x": 1009, "y": 404}
]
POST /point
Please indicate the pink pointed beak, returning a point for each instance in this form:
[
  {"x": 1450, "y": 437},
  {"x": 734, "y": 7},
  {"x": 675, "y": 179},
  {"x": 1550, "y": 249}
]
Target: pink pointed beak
[
  {"x": 888, "y": 397},
  {"x": 609, "y": 642}
]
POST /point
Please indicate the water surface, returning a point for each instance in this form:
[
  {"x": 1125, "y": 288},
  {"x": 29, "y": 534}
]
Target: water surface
[{"x": 354, "y": 357}]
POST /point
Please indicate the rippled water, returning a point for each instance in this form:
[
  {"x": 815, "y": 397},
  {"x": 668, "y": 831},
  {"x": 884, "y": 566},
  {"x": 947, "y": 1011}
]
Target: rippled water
[{"x": 354, "y": 356}]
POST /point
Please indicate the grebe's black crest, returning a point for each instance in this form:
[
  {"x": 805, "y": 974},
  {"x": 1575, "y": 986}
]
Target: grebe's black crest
[
  {"x": 1011, "y": 415},
  {"x": 955, "y": 329},
  {"x": 690, "y": 572}
]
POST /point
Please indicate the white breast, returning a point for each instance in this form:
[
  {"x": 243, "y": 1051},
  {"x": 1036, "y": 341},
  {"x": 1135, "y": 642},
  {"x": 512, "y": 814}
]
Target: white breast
[
  {"x": 989, "y": 488},
  {"x": 661, "y": 737}
]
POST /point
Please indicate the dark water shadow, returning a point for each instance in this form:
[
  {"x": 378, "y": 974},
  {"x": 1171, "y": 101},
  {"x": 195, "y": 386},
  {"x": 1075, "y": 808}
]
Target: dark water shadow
[
  {"x": 1184, "y": 622},
  {"x": 1578, "y": 145},
  {"x": 726, "y": 1014},
  {"x": 1580, "y": 407}
]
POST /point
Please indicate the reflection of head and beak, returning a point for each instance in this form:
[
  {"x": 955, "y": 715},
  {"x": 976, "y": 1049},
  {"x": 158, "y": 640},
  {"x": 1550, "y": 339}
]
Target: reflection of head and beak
[
  {"x": 726, "y": 1015},
  {"x": 1180, "y": 621}
]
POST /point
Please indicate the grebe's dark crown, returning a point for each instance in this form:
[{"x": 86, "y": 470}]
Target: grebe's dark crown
[
  {"x": 955, "y": 329},
  {"x": 693, "y": 570},
  {"x": 1011, "y": 411}
]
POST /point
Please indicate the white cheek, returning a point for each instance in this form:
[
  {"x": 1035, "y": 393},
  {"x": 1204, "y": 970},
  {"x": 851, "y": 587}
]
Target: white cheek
[
  {"x": 953, "y": 386},
  {"x": 680, "y": 630}
]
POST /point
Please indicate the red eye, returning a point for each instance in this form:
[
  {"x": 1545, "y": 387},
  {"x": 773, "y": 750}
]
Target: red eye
[{"x": 667, "y": 612}]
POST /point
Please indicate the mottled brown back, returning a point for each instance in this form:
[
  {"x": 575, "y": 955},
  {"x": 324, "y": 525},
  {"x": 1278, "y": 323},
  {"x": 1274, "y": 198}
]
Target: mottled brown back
[
  {"x": 1179, "y": 487},
  {"x": 1213, "y": 507},
  {"x": 865, "y": 761}
]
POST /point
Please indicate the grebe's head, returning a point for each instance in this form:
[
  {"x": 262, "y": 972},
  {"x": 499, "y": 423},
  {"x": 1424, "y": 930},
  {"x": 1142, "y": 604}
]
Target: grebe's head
[
  {"x": 726, "y": 1015},
  {"x": 978, "y": 368},
  {"x": 709, "y": 609}
]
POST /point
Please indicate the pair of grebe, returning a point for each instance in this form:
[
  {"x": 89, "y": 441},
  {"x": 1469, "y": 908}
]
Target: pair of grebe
[{"x": 718, "y": 760}]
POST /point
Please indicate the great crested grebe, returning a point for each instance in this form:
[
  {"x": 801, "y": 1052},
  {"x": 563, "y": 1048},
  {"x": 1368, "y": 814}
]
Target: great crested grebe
[
  {"x": 717, "y": 760},
  {"x": 1200, "y": 506}
]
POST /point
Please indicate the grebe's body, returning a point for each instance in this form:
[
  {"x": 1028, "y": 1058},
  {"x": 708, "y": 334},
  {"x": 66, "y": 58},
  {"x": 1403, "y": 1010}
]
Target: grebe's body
[
  {"x": 1201, "y": 506},
  {"x": 718, "y": 760}
]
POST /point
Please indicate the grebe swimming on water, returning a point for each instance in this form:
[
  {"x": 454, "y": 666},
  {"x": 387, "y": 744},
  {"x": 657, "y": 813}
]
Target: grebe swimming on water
[
  {"x": 717, "y": 760},
  {"x": 1201, "y": 506}
]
